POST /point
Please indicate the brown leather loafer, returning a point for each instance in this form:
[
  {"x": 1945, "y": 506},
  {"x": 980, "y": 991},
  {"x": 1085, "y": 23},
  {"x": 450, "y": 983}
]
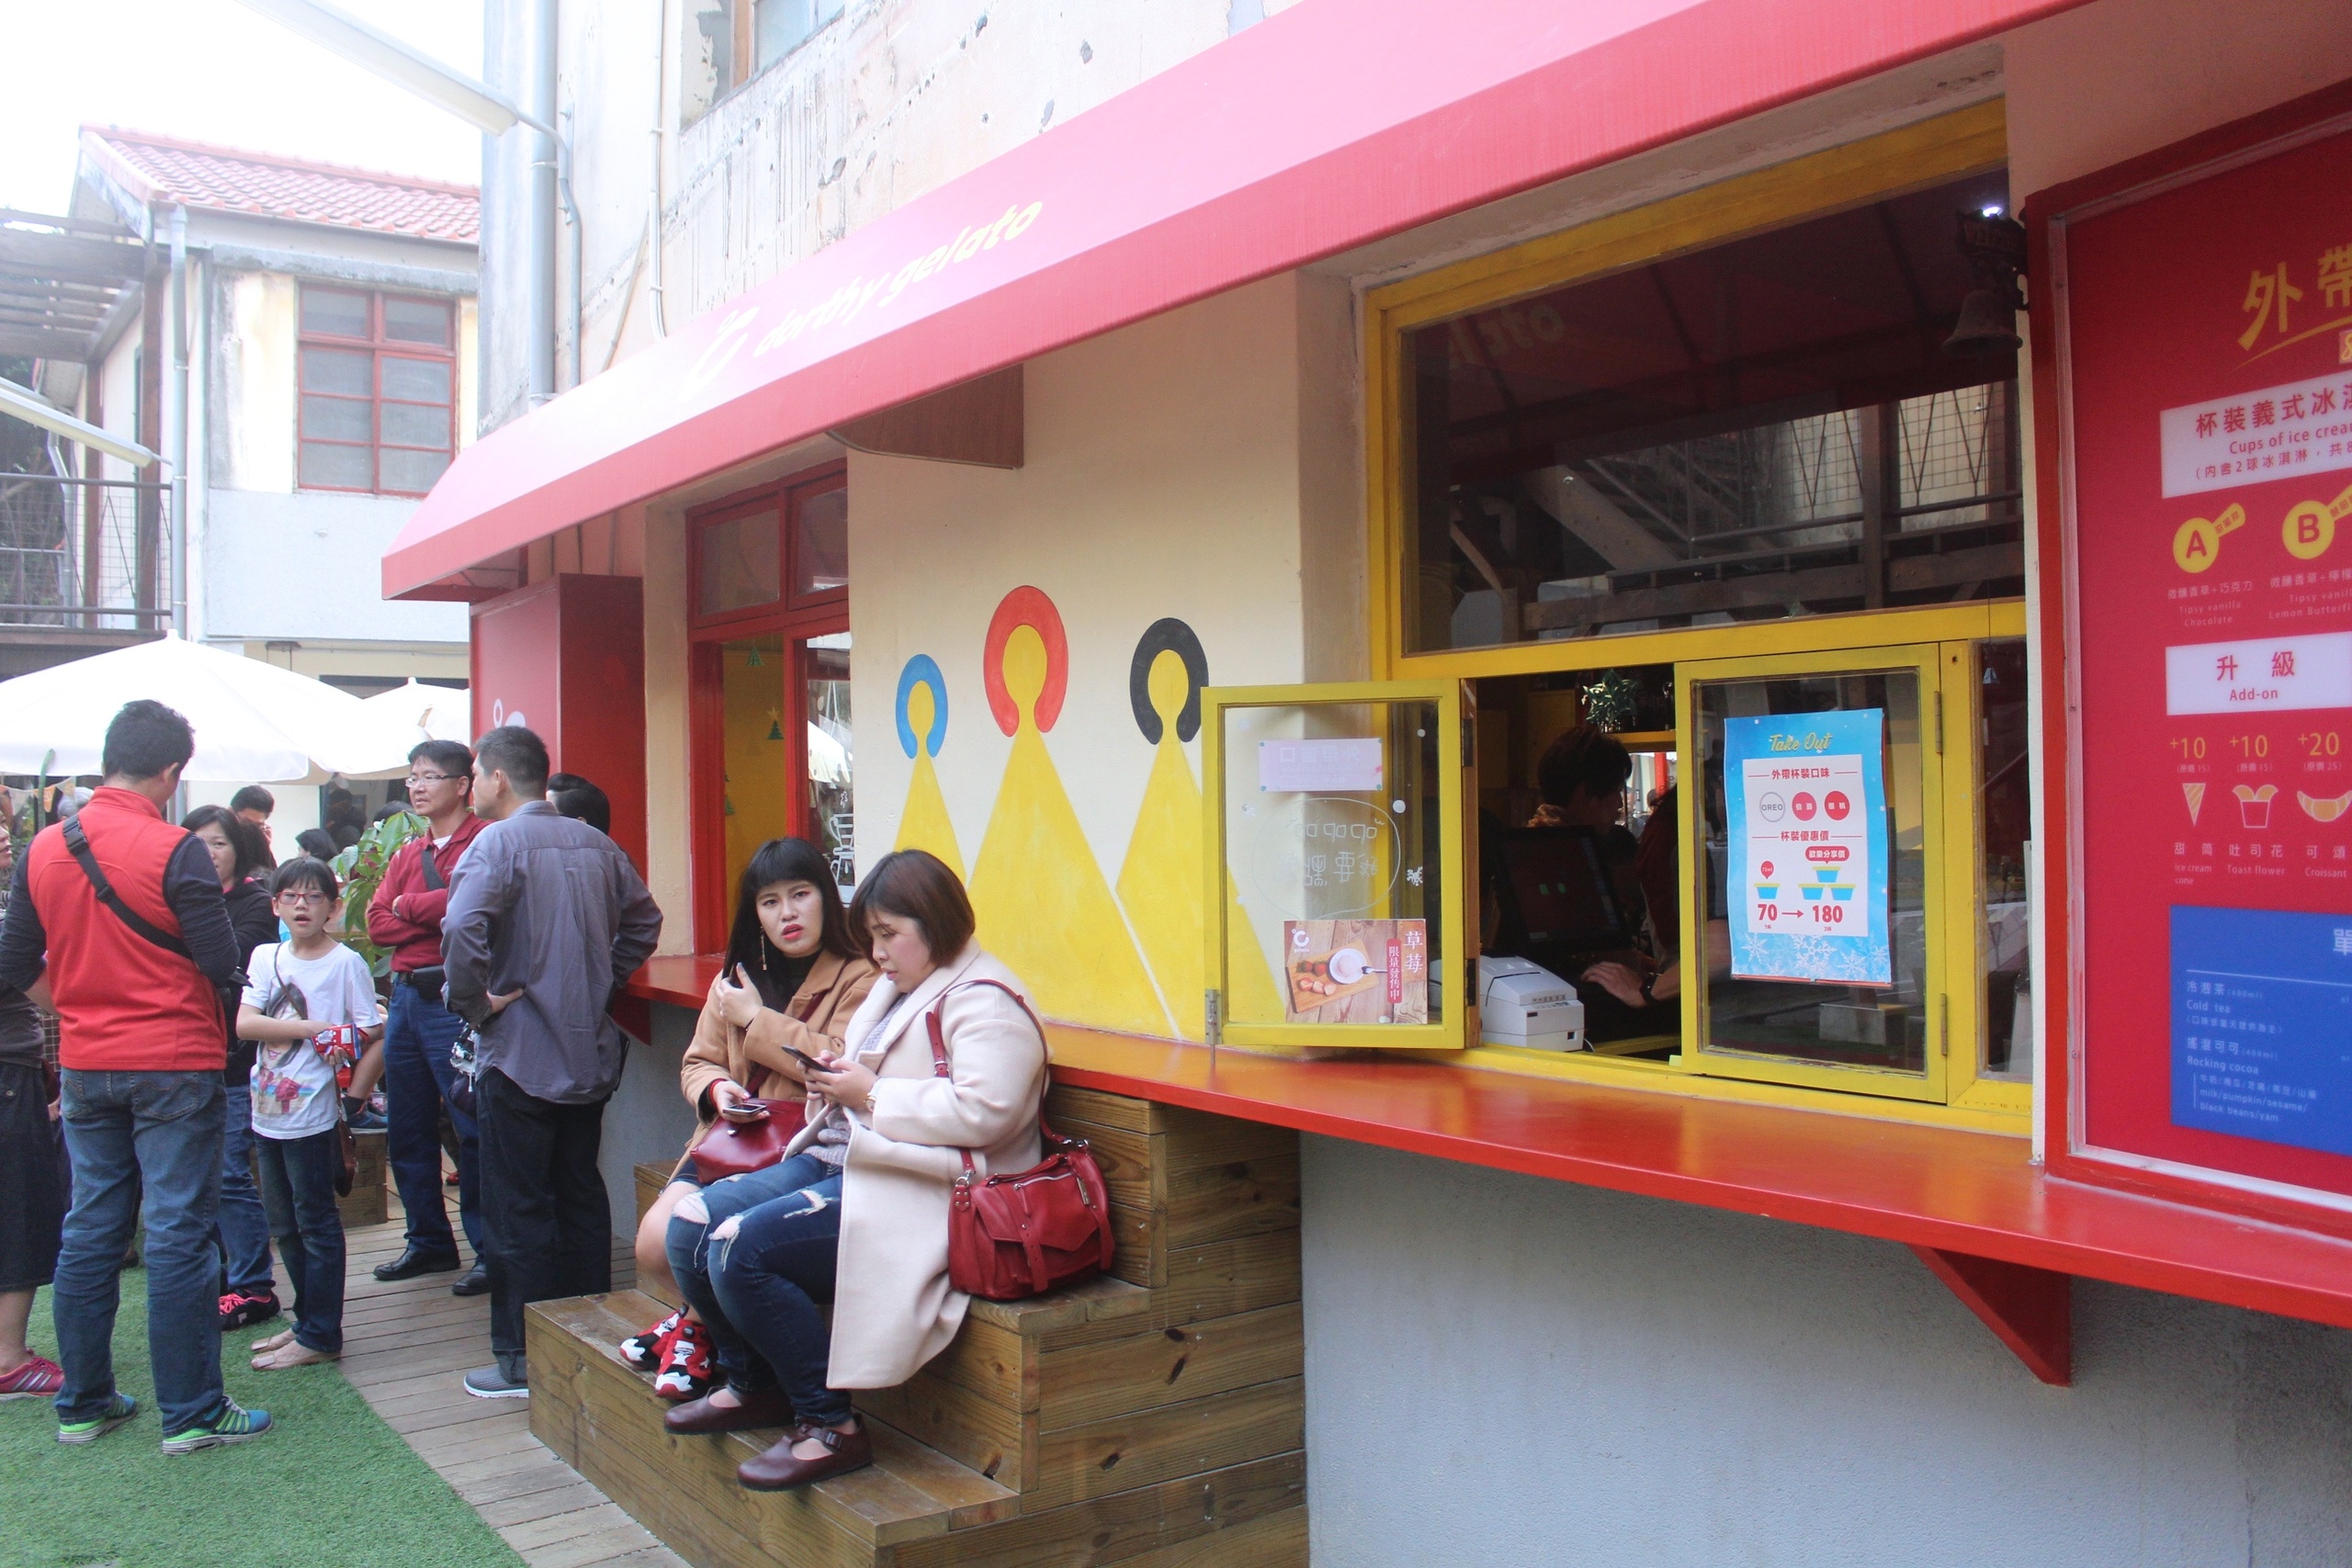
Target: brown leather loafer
[
  {"x": 769, "y": 1407},
  {"x": 778, "y": 1470}
]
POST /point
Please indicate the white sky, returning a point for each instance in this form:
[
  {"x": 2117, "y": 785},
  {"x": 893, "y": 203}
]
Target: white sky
[{"x": 212, "y": 71}]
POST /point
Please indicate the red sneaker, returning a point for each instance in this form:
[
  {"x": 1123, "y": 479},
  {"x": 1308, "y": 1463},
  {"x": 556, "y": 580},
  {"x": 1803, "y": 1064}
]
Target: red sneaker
[
  {"x": 685, "y": 1366},
  {"x": 242, "y": 1309},
  {"x": 38, "y": 1378},
  {"x": 644, "y": 1351}
]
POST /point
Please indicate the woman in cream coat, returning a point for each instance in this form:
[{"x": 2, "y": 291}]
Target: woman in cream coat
[{"x": 868, "y": 1231}]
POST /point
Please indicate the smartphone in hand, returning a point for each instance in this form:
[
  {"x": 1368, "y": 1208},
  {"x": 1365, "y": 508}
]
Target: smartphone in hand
[{"x": 745, "y": 1110}]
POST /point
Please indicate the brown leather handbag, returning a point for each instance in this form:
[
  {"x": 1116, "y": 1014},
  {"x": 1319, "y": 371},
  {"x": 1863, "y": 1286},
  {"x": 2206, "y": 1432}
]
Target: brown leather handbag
[
  {"x": 1029, "y": 1231},
  {"x": 738, "y": 1148}
]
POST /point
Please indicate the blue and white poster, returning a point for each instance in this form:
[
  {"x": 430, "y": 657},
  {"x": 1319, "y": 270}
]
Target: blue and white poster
[
  {"x": 1807, "y": 808},
  {"x": 2262, "y": 1025}
]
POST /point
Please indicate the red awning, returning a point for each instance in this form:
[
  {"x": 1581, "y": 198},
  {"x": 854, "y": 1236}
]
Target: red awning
[{"x": 1331, "y": 125}]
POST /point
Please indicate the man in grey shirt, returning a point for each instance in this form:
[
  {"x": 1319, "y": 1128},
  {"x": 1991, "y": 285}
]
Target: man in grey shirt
[{"x": 547, "y": 920}]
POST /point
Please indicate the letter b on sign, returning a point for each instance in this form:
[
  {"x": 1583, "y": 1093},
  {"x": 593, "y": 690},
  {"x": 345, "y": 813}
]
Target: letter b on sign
[{"x": 2309, "y": 528}]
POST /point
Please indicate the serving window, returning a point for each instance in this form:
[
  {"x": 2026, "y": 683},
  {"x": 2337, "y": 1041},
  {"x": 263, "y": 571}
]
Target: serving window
[
  {"x": 769, "y": 686},
  {"x": 1714, "y": 510}
]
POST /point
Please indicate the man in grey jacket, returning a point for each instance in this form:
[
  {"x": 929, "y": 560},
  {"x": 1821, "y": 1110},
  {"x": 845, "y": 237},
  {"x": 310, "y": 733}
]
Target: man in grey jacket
[{"x": 547, "y": 920}]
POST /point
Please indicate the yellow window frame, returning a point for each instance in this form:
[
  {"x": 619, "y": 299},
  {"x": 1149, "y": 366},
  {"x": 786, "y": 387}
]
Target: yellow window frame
[{"x": 1450, "y": 1028}]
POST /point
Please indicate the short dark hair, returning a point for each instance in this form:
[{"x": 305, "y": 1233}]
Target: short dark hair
[
  {"x": 144, "y": 739},
  {"x": 915, "y": 884},
  {"x": 785, "y": 860},
  {"x": 575, "y": 797},
  {"x": 316, "y": 842},
  {"x": 242, "y": 836},
  {"x": 516, "y": 752},
  {"x": 1583, "y": 758},
  {"x": 452, "y": 757},
  {"x": 252, "y": 797},
  {"x": 306, "y": 871}
]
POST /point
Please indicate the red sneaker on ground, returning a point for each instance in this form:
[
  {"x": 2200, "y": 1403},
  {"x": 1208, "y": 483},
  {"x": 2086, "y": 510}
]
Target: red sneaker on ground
[
  {"x": 242, "y": 1309},
  {"x": 38, "y": 1378}
]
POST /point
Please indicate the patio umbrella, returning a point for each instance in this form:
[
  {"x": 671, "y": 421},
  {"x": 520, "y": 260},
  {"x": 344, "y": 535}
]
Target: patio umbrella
[
  {"x": 254, "y": 723},
  {"x": 378, "y": 732}
]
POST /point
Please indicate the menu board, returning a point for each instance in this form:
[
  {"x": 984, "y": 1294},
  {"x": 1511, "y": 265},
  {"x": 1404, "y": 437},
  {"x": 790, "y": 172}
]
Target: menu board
[
  {"x": 2209, "y": 331},
  {"x": 1807, "y": 817}
]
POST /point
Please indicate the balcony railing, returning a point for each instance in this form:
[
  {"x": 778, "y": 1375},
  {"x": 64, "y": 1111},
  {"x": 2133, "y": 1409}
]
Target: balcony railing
[{"x": 82, "y": 555}]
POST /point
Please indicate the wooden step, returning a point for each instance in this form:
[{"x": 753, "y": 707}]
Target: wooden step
[{"x": 914, "y": 1508}]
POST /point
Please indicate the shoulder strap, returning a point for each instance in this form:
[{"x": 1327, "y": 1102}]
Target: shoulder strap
[
  {"x": 432, "y": 878},
  {"x": 78, "y": 843},
  {"x": 938, "y": 1049}
]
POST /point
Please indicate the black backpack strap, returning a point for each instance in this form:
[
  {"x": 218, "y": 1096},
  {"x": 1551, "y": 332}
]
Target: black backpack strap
[
  {"x": 78, "y": 843},
  {"x": 432, "y": 879}
]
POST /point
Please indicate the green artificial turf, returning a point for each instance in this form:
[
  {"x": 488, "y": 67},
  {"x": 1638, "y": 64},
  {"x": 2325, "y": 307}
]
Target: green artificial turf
[{"x": 329, "y": 1486}]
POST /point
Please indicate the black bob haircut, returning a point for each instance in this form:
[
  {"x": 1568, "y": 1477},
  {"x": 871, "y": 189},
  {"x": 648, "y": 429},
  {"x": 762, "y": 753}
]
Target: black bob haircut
[
  {"x": 242, "y": 836},
  {"x": 575, "y": 797},
  {"x": 309, "y": 871},
  {"x": 1583, "y": 758},
  {"x": 452, "y": 757},
  {"x": 252, "y": 797},
  {"x": 784, "y": 859},
  {"x": 144, "y": 739},
  {"x": 915, "y": 884},
  {"x": 516, "y": 752}
]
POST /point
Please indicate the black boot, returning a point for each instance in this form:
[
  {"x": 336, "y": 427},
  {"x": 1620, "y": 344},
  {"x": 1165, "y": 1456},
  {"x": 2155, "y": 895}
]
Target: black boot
[
  {"x": 411, "y": 1262},
  {"x": 475, "y": 1281}
]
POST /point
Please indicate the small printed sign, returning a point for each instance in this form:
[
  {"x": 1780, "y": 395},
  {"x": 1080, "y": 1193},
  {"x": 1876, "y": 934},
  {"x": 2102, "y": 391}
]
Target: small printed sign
[
  {"x": 1807, "y": 808},
  {"x": 2274, "y": 433},
  {"x": 2271, "y": 674},
  {"x": 1320, "y": 767}
]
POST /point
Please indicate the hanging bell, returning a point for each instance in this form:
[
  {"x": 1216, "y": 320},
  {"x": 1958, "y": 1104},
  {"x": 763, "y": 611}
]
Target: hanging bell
[{"x": 1987, "y": 326}]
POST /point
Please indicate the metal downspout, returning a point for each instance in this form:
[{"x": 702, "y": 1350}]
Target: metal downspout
[
  {"x": 661, "y": 119},
  {"x": 546, "y": 192},
  {"x": 176, "y": 450}
]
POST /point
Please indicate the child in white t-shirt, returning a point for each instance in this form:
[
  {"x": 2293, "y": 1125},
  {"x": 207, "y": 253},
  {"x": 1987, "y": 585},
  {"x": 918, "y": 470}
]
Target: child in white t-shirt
[{"x": 310, "y": 1006}]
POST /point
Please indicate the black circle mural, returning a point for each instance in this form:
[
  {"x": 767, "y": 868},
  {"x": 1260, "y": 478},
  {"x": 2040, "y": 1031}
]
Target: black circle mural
[{"x": 1168, "y": 635}]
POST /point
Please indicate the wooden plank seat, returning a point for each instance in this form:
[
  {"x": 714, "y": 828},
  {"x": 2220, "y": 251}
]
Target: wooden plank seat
[{"x": 1152, "y": 1417}]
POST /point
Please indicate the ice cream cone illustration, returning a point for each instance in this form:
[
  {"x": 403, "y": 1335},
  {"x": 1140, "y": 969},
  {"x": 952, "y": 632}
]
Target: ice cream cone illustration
[
  {"x": 2324, "y": 810},
  {"x": 2195, "y": 794},
  {"x": 2253, "y": 805}
]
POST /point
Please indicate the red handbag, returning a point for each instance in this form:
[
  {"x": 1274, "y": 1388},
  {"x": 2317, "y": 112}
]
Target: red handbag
[
  {"x": 1033, "y": 1231},
  {"x": 738, "y": 1148}
]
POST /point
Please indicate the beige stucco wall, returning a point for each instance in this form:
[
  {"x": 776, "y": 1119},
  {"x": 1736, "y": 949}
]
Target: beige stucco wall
[
  {"x": 254, "y": 439},
  {"x": 1167, "y": 475}
]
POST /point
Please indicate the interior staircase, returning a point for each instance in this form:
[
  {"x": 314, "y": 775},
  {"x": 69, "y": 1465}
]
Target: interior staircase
[{"x": 1152, "y": 1419}]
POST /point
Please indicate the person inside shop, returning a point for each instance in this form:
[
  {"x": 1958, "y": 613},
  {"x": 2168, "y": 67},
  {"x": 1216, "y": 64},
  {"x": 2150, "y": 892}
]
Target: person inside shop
[
  {"x": 405, "y": 916},
  {"x": 793, "y": 979},
  {"x": 248, "y": 1283},
  {"x": 861, "y": 1221},
  {"x": 577, "y": 799}
]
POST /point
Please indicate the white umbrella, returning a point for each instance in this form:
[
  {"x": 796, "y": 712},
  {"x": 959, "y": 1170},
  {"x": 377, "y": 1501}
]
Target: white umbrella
[
  {"x": 828, "y": 758},
  {"x": 379, "y": 731},
  {"x": 254, "y": 723}
]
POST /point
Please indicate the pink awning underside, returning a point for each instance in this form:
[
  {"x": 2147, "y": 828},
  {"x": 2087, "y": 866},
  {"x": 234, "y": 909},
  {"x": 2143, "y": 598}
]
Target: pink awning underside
[{"x": 1335, "y": 123}]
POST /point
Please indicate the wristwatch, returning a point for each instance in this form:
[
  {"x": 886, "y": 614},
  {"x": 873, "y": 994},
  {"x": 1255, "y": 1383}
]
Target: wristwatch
[{"x": 1647, "y": 981}]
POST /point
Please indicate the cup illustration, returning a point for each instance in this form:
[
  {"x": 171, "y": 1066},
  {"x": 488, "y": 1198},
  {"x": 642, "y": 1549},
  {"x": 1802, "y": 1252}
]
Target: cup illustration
[{"x": 2253, "y": 805}]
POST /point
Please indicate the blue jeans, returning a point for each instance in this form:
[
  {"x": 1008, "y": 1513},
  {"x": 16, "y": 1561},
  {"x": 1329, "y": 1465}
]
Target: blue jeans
[
  {"x": 298, "y": 1177},
  {"x": 243, "y": 1228},
  {"x": 417, "y": 1037},
  {"x": 757, "y": 1288},
  {"x": 123, "y": 1130}
]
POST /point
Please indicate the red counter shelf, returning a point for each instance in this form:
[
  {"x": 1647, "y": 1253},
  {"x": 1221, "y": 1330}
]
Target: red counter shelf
[{"x": 1998, "y": 1228}]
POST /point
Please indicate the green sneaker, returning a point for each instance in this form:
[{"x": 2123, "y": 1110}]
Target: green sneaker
[
  {"x": 232, "y": 1423},
  {"x": 123, "y": 1408}
]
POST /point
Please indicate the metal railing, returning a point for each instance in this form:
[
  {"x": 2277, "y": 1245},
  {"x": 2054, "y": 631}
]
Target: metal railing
[{"x": 82, "y": 554}]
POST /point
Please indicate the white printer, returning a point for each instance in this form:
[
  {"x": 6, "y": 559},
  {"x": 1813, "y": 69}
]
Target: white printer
[{"x": 1521, "y": 1004}]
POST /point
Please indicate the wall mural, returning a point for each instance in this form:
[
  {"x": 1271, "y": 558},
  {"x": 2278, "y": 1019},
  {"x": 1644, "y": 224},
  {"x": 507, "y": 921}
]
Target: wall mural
[
  {"x": 1036, "y": 882},
  {"x": 922, "y": 729},
  {"x": 1043, "y": 905}
]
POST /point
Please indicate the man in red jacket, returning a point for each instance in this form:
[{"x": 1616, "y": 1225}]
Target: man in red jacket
[
  {"x": 123, "y": 912},
  {"x": 405, "y": 916}
]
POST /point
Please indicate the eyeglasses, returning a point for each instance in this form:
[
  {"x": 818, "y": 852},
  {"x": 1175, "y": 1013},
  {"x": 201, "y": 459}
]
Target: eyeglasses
[
  {"x": 433, "y": 778},
  {"x": 309, "y": 895}
]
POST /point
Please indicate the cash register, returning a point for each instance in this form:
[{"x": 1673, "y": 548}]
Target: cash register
[{"x": 1522, "y": 1003}]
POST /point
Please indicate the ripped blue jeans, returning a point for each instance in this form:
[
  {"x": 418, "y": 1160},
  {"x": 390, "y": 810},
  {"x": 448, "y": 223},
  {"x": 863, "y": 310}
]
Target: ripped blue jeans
[{"x": 756, "y": 1268}]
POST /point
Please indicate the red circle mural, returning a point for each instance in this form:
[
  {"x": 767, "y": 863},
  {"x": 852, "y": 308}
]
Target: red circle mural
[{"x": 1025, "y": 606}]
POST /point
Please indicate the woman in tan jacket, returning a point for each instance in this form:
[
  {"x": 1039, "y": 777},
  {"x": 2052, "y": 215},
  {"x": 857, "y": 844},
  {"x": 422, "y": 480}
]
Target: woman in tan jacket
[
  {"x": 794, "y": 978},
  {"x": 878, "y": 1161}
]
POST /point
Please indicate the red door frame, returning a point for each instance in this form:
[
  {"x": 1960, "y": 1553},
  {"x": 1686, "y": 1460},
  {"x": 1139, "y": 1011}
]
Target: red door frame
[
  {"x": 817, "y": 614},
  {"x": 2059, "y": 783}
]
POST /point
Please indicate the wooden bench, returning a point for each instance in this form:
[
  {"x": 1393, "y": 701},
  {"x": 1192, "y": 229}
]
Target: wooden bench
[{"x": 1152, "y": 1419}]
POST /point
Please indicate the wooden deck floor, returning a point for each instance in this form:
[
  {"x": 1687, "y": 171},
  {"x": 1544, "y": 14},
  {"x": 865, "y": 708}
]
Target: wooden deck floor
[{"x": 405, "y": 1348}]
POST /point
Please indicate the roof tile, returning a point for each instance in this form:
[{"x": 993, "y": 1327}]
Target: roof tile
[{"x": 264, "y": 184}]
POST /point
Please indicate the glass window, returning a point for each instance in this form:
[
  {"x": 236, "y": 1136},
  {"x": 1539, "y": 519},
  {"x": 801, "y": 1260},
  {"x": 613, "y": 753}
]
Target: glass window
[
  {"x": 1763, "y": 429},
  {"x": 824, "y": 664},
  {"x": 373, "y": 421},
  {"x": 738, "y": 568},
  {"x": 1816, "y": 803},
  {"x": 2003, "y": 826},
  {"x": 1338, "y": 817},
  {"x": 757, "y": 789},
  {"x": 820, "y": 543},
  {"x": 779, "y": 27}
]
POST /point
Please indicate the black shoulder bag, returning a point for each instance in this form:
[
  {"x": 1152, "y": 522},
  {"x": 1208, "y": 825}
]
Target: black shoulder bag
[{"x": 428, "y": 980}]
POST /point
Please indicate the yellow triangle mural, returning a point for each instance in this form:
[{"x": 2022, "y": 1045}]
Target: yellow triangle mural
[
  {"x": 1159, "y": 885},
  {"x": 922, "y": 727},
  {"x": 1041, "y": 900}
]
